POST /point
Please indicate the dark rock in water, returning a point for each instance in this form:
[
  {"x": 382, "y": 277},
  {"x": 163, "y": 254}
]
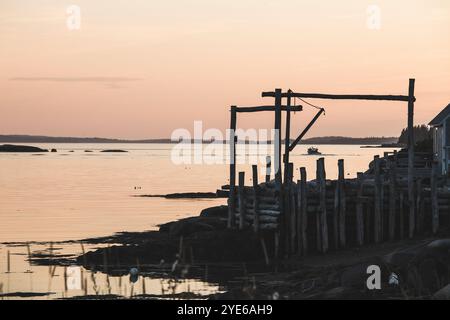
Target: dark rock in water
[
  {"x": 26, "y": 294},
  {"x": 18, "y": 148},
  {"x": 188, "y": 226},
  {"x": 88, "y": 151},
  {"x": 114, "y": 150},
  {"x": 54, "y": 150},
  {"x": 185, "y": 195},
  {"x": 215, "y": 212}
]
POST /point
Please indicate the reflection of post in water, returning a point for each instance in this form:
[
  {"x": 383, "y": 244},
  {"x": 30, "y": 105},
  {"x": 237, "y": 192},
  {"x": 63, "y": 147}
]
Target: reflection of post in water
[{"x": 30, "y": 271}]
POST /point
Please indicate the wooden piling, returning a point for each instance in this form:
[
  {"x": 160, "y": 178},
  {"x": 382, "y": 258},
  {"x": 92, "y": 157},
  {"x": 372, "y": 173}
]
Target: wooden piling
[
  {"x": 256, "y": 201},
  {"x": 292, "y": 208},
  {"x": 359, "y": 210},
  {"x": 402, "y": 215},
  {"x": 419, "y": 207},
  {"x": 278, "y": 171},
  {"x": 411, "y": 142},
  {"x": 377, "y": 200},
  {"x": 287, "y": 139},
  {"x": 336, "y": 217},
  {"x": 342, "y": 203},
  {"x": 303, "y": 221},
  {"x": 434, "y": 198},
  {"x": 268, "y": 165},
  {"x": 232, "y": 194},
  {"x": 321, "y": 180},
  {"x": 392, "y": 199},
  {"x": 241, "y": 200}
]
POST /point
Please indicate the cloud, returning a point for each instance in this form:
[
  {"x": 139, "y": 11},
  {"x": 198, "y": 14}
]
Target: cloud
[
  {"x": 110, "y": 82},
  {"x": 76, "y": 79}
]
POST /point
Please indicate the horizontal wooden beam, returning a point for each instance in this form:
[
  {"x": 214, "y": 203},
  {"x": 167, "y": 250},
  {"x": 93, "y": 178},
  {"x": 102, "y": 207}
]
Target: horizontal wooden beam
[
  {"x": 267, "y": 108},
  {"x": 341, "y": 96}
]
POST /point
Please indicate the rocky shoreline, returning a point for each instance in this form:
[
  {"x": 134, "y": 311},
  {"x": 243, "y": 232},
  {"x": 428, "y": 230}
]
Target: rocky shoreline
[{"x": 203, "y": 248}]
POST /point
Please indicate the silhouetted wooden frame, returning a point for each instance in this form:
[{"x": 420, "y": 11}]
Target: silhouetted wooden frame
[{"x": 410, "y": 98}]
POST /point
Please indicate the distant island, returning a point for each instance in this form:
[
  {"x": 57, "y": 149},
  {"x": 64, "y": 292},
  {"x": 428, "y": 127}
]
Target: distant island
[{"x": 313, "y": 141}]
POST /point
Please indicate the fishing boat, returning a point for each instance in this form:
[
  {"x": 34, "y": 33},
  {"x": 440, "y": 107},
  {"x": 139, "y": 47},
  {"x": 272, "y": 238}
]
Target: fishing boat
[{"x": 313, "y": 150}]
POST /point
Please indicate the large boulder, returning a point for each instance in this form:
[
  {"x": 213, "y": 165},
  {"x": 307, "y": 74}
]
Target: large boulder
[
  {"x": 189, "y": 226},
  {"x": 19, "y": 148},
  {"x": 215, "y": 212}
]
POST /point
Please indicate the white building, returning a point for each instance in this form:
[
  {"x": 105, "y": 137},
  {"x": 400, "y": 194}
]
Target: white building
[{"x": 441, "y": 139}]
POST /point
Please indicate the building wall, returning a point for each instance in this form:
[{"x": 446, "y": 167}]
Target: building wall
[
  {"x": 438, "y": 146},
  {"x": 446, "y": 147}
]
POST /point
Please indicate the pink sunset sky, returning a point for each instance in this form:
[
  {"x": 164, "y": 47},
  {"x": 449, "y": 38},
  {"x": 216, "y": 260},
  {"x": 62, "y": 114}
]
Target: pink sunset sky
[{"x": 143, "y": 68}]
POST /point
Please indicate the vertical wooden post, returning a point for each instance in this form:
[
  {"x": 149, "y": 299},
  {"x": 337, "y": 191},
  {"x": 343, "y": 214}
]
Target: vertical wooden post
[
  {"x": 419, "y": 206},
  {"x": 287, "y": 137},
  {"x": 292, "y": 207},
  {"x": 323, "y": 205},
  {"x": 368, "y": 222},
  {"x": 278, "y": 171},
  {"x": 336, "y": 217},
  {"x": 392, "y": 199},
  {"x": 268, "y": 165},
  {"x": 359, "y": 210},
  {"x": 303, "y": 219},
  {"x": 402, "y": 214},
  {"x": 434, "y": 198},
  {"x": 232, "y": 194},
  {"x": 256, "y": 202},
  {"x": 277, "y": 142},
  {"x": 411, "y": 157},
  {"x": 241, "y": 200},
  {"x": 287, "y": 211},
  {"x": 342, "y": 203},
  {"x": 318, "y": 211},
  {"x": 377, "y": 200}
]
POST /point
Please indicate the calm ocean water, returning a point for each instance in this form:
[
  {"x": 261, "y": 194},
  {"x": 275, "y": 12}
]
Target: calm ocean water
[{"x": 74, "y": 195}]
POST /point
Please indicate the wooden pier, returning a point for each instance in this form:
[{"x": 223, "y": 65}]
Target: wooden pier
[
  {"x": 400, "y": 195},
  {"x": 322, "y": 215}
]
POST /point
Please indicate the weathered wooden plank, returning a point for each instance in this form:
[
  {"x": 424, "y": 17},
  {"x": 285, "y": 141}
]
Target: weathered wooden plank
[
  {"x": 343, "y": 96},
  {"x": 267, "y": 108}
]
